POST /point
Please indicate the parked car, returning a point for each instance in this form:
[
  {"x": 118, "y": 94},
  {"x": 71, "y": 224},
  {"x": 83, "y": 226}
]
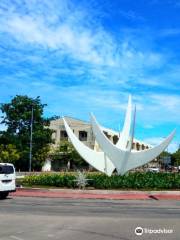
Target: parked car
[{"x": 7, "y": 179}]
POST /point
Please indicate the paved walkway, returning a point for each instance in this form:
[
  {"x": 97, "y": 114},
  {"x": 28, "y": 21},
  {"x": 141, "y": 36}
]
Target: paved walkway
[{"x": 97, "y": 194}]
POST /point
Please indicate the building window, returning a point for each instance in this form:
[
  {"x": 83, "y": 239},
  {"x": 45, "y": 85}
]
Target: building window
[
  {"x": 115, "y": 139},
  {"x": 137, "y": 146},
  {"x": 107, "y": 135},
  {"x": 82, "y": 135},
  {"x": 63, "y": 135},
  {"x": 54, "y": 135}
]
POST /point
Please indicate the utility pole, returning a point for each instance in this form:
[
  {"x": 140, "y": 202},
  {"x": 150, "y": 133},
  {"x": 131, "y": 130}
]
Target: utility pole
[{"x": 30, "y": 143}]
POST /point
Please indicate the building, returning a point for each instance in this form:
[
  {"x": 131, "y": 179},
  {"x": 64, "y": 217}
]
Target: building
[{"x": 83, "y": 130}]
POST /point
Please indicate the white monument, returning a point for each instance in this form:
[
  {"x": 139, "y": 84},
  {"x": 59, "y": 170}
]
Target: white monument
[
  {"x": 96, "y": 159},
  {"x": 120, "y": 156}
]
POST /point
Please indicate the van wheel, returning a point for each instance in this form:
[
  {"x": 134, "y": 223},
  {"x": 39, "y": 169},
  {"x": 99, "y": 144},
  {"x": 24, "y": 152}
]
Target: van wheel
[{"x": 3, "y": 195}]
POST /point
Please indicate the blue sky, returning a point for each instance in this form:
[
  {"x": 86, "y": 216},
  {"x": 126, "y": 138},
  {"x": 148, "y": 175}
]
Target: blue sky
[{"x": 88, "y": 56}]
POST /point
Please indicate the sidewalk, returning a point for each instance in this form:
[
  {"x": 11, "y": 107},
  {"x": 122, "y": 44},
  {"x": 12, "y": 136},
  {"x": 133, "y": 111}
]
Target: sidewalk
[{"x": 97, "y": 194}]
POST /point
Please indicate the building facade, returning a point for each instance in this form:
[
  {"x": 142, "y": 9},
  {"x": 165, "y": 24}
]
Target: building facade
[{"x": 83, "y": 130}]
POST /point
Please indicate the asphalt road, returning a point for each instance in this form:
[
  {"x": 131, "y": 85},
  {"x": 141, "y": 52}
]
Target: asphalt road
[{"x": 68, "y": 219}]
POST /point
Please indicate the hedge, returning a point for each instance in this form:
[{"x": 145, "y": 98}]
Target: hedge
[{"x": 134, "y": 180}]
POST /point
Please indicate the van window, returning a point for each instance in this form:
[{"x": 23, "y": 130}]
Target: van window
[{"x": 6, "y": 169}]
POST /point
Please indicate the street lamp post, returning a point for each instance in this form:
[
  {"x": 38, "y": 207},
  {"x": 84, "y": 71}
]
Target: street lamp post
[{"x": 30, "y": 143}]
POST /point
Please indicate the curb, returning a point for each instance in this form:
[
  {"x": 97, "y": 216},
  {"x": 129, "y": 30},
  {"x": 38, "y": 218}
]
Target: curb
[{"x": 97, "y": 194}]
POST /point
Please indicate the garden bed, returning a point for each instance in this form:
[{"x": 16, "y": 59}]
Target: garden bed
[{"x": 136, "y": 180}]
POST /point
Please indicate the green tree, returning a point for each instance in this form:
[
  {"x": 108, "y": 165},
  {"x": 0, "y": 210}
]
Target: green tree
[
  {"x": 176, "y": 158},
  {"x": 9, "y": 153},
  {"x": 65, "y": 152},
  {"x": 40, "y": 156},
  {"x": 17, "y": 118},
  {"x": 165, "y": 154}
]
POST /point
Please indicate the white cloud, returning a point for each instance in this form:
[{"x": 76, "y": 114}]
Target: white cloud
[
  {"x": 70, "y": 30},
  {"x": 166, "y": 101},
  {"x": 158, "y": 108},
  {"x": 173, "y": 146},
  {"x": 66, "y": 30},
  {"x": 73, "y": 59}
]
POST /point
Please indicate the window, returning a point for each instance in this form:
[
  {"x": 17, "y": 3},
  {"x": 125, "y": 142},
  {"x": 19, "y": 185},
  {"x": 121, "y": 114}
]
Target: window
[
  {"x": 54, "y": 135},
  {"x": 107, "y": 135},
  {"x": 137, "y": 146},
  {"x": 82, "y": 135},
  {"x": 115, "y": 139},
  {"x": 63, "y": 135},
  {"x": 6, "y": 169}
]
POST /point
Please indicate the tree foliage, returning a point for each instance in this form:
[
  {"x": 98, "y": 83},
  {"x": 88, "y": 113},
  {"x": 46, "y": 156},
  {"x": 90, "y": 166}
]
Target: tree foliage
[
  {"x": 9, "y": 153},
  {"x": 164, "y": 154},
  {"x": 17, "y": 118},
  {"x": 176, "y": 158},
  {"x": 66, "y": 152}
]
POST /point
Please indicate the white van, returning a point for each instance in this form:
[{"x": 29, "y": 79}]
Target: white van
[{"x": 7, "y": 179}]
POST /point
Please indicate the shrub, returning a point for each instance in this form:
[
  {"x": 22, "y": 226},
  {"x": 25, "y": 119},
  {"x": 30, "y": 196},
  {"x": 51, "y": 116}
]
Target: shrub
[{"x": 134, "y": 180}]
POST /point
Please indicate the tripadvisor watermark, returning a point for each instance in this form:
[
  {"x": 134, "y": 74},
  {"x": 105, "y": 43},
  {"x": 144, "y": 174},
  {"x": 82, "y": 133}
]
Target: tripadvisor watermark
[{"x": 140, "y": 231}]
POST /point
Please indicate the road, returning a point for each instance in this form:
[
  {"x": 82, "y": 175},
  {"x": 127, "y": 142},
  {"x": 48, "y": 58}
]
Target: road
[{"x": 27, "y": 218}]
